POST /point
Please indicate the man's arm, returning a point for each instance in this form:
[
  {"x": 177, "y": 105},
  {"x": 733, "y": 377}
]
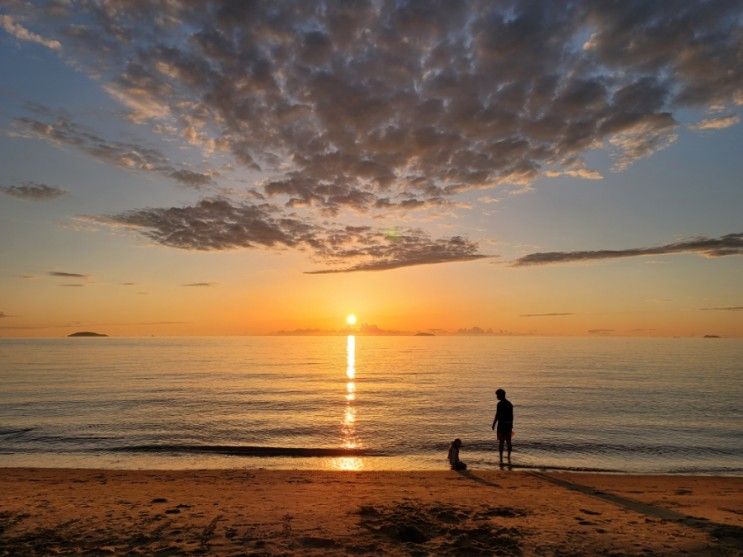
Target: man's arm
[{"x": 495, "y": 419}]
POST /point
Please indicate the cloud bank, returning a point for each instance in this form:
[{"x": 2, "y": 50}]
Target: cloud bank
[
  {"x": 63, "y": 131},
  {"x": 730, "y": 244},
  {"x": 386, "y": 106},
  {"x": 33, "y": 191},
  {"x": 400, "y": 104},
  {"x": 219, "y": 224}
]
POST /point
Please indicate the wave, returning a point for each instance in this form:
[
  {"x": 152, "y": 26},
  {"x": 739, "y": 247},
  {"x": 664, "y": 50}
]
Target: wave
[
  {"x": 12, "y": 432},
  {"x": 243, "y": 450},
  {"x": 572, "y": 447}
]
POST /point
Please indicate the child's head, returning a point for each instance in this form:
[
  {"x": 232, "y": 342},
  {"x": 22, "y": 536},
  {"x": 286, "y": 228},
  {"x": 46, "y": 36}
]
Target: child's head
[
  {"x": 457, "y": 442},
  {"x": 500, "y": 394}
]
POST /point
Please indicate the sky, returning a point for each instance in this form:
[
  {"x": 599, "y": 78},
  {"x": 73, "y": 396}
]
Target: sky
[{"x": 228, "y": 168}]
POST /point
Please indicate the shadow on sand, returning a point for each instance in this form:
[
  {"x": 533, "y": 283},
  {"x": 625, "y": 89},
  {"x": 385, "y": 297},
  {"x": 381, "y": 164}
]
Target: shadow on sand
[
  {"x": 728, "y": 535},
  {"x": 470, "y": 476}
]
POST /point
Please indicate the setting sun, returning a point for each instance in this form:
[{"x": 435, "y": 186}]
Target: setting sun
[{"x": 351, "y": 319}]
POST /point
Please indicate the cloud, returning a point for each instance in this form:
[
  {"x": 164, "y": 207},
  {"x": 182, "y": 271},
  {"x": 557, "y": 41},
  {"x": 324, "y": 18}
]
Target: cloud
[
  {"x": 727, "y": 308},
  {"x": 718, "y": 123},
  {"x": 67, "y": 275},
  {"x": 415, "y": 249},
  {"x": 730, "y": 244},
  {"x": 216, "y": 224},
  {"x": 14, "y": 28},
  {"x": 33, "y": 191},
  {"x": 475, "y": 331},
  {"x": 600, "y": 331},
  {"x": 2, "y": 315},
  {"x": 73, "y": 285},
  {"x": 545, "y": 314},
  {"x": 131, "y": 156},
  {"x": 200, "y": 284},
  {"x": 378, "y": 106}
]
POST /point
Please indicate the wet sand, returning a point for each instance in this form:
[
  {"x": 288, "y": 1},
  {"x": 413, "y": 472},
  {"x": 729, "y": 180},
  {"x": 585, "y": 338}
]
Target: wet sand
[{"x": 262, "y": 512}]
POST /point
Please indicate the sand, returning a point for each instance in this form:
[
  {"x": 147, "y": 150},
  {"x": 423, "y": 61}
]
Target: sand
[{"x": 273, "y": 512}]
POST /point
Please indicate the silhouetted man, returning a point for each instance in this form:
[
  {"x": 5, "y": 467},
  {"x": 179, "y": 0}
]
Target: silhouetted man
[{"x": 504, "y": 419}]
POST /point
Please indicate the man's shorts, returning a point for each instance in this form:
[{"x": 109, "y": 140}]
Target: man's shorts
[{"x": 504, "y": 432}]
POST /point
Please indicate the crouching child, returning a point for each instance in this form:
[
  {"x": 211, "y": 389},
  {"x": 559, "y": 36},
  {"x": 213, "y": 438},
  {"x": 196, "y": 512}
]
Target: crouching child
[{"x": 454, "y": 461}]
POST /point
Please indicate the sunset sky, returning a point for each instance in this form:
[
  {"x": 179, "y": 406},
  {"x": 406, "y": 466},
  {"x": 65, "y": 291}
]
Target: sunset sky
[{"x": 180, "y": 168}]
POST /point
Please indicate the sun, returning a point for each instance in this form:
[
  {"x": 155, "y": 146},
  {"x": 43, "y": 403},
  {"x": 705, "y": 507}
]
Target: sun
[{"x": 350, "y": 319}]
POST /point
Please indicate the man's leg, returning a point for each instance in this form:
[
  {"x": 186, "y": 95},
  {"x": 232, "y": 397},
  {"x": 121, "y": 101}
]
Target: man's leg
[
  {"x": 508, "y": 441},
  {"x": 500, "y": 448}
]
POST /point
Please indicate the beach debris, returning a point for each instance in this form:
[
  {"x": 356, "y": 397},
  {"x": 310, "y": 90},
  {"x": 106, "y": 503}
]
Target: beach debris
[
  {"x": 316, "y": 542},
  {"x": 444, "y": 529},
  {"x": 208, "y": 532}
]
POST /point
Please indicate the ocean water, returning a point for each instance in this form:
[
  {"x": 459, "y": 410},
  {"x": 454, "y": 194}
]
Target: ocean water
[{"x": 365, "y": 403}]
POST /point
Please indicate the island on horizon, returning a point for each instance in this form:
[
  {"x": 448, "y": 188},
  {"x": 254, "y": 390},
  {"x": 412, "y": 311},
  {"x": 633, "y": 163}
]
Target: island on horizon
[{"x": 86, "y": 334}]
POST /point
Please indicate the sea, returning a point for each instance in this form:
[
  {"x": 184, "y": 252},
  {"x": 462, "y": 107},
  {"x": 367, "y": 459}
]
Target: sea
[{"x": 635, "y": 405}]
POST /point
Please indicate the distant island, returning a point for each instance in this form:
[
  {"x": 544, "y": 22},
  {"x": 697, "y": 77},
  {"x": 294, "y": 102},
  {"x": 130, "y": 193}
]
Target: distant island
[
  {"x": 711, "y": 336},
  {"x": 425, "y": 335},
  {"x": 87, "y": 334}
]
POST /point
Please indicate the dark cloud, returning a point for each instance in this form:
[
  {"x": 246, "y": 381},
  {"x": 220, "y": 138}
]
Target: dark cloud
[
  {"x": 730, "y": 244},
  {"x": 412, "y": 248},
  {"x": 64, "y": 131},
  {"x": 726, "y": 308},
  {"x": 73, "y": 285},
  {"x": 33, "y": 191},
  {"x": 67, "y": 275},
  {"x": 400, "y": 104},
  {"x": 199, "y": 284},
  {"x": 545, "y": 314},
  {"x": 215, "y": 224},
  {"x": 219, "y": 224}
]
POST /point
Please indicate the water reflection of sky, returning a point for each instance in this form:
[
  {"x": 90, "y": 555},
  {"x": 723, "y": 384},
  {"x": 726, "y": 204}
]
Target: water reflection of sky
[{"x": 349, "y": 438}]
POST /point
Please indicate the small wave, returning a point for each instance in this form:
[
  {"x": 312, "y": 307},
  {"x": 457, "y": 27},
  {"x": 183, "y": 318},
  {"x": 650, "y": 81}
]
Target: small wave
[
  {"x": 563, "y": 468},
  {"x": 12, "y": 432},
  {"x": 242, "y": 450},
  {"x": 573, "y": 447}
]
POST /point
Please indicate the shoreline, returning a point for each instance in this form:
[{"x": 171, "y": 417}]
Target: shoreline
[
  {"x": 288, "y": 460},
  {"x": 315, "y": 512}
]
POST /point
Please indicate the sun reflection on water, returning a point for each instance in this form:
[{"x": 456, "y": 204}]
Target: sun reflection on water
[
  {"x": 351, "y": 357},
  {"x": 348, "y": 425}
]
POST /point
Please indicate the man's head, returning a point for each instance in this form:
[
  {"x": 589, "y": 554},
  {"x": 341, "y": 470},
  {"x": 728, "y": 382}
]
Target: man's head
[{"x": 500, "y": 394}]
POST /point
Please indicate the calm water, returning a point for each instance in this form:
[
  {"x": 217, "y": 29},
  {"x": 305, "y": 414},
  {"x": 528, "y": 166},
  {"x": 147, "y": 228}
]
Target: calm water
[{"x": 650, "y": 405}]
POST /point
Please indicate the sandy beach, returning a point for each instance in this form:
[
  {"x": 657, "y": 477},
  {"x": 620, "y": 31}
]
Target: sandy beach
[{"x": 261, "y": 512}]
